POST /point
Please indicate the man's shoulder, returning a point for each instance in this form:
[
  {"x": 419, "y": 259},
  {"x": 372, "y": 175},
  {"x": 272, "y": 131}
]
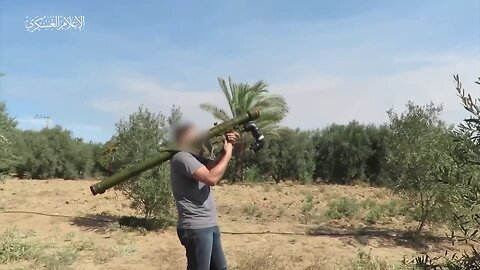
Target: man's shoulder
[
  {"x": 182, "y": 155},
  {"x": 186, "y": 157}
]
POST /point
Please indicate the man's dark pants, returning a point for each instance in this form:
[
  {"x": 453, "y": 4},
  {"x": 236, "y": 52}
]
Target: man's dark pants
[{"x": 203, "y": 248}]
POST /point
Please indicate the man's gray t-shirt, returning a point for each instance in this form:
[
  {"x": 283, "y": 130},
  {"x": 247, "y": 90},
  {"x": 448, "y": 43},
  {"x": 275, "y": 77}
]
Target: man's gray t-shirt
[{"x": 194, "y": 200}]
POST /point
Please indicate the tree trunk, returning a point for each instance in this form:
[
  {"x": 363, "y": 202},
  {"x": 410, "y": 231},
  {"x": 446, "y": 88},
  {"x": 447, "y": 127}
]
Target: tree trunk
[{"x": 421, "y": 225}]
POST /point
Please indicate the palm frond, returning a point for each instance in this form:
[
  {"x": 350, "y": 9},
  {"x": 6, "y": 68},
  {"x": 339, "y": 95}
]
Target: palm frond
[
  {"x": 226, "y": 91},
  {"x": 217, "y": 112},
  {"x": 242, "y": 97}
]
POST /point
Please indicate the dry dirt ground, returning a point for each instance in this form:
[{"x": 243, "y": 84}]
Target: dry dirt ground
[{"x": 286, "y": 223}]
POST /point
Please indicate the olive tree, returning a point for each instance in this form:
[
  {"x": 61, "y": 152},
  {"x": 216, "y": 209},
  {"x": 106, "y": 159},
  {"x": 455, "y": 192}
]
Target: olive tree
[
  {"x": 420, "y": 145},
  {"x": 345, "y": 153},
  {"x": 464, "y": 184},
  {"x": 143, "y": 134},
  {"x": 289, "y": 155},
  {"x": 7, "y": 155}
]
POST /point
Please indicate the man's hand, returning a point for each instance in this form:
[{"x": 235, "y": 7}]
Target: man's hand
[
  {"x": 230, "y": 139},
  {"x": 211, "y": 175}
]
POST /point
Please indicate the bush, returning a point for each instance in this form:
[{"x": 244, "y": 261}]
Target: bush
[
  {"x": 420, "y": 155},
  {"x": 346, "y": 153},
  {"x": 60, "y": 259},
  {"x": 143, "y": 135},
  {"x": 365, "y": 261},
  {"x": 253, "y": 174},
  {"x": 464, "y": 184},
  {"x": 374, "y": 215},
  {"x": 15, "y": 247},
  {"x": 342, "y": 208},
  {"x": 289, "y": 155},
  {"x": 7, "y": 153},
  {"x": 54, "y": 153}
]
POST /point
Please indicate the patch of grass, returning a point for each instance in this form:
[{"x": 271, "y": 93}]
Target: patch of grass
[
  {"x": 61, "y": 259},
  {"x": 15, "y": 246},
  {"x": 306, "y": 210},
  {"x": 396, "y": 208},
  {"x": 378, "y": 211},
  {"x": 252, "y": 211},
  {"x": 69, "y": 236},
  {"x": 369, "y": 203},
  {"x": 342, "y": 208},
  {"x": 374, "y": 215},
  {"x": 19, "y": 247},
  {"x": 125, "y": 250},
  {"x": 380, "y": 194},
  {"x": 102, "y": 256},
  {"x": 125, "y": 247},
  {"x": 308, "y": 205},
  {"x": 365, "y": 261},
  {"x": 258, "y": 261},
  {"x": 84, "y": 245}
]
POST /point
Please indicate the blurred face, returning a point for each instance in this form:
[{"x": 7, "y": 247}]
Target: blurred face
[{"x": 188, "y": 135}]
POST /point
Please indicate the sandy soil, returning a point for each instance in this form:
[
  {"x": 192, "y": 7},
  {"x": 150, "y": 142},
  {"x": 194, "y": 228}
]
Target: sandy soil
[{"x": 255, "y": 220}]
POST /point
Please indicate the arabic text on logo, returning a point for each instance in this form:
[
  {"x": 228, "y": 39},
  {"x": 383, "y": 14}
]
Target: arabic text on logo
[{"x": 40, "y": 23}]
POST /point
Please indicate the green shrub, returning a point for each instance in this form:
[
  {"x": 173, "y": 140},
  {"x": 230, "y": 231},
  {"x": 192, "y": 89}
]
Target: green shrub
[
  {"x": 252, "y": 211},
  {"x": 308, "y": 205},
  {"x": 288, "y": 155},
  {"x": 396, "y": 208},
  {"x": 14, "y": 246},
  {"x": 59, "y": 259},
  {"x": 365, "y": 261},
  {"x": 369, "y": 203},
  {"x": 374, "y": 215},
  {"x": 420, "y": 160},
  {"x": 141, "y": 136},
  {"x": 345, "y": 153},
  {"x": 253, "y": 174},
  {"x": 7, "y": 154},
  {"x": 342, "y": 208}
]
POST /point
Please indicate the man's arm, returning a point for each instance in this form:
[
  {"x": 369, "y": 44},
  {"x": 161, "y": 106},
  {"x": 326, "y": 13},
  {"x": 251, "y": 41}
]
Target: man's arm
[{"x": 212, "y": 174}]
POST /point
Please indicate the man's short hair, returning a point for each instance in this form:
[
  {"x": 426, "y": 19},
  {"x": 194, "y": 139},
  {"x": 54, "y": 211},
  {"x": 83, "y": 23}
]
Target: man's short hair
[{"x": 180, "y": 130}]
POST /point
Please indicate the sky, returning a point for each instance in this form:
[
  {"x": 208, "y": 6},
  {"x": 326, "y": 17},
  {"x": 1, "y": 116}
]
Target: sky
[{"x": 333, "y": 61}]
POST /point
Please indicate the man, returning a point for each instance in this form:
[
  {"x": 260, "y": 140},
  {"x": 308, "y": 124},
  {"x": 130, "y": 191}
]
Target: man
[{"x": 191, "y": 179}]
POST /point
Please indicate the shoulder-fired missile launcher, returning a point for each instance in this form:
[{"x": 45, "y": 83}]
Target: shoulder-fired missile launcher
[{"x": 205, "y": 143}]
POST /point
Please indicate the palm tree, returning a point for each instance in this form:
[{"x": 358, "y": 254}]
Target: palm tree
[{"x": 242, "y": 97}]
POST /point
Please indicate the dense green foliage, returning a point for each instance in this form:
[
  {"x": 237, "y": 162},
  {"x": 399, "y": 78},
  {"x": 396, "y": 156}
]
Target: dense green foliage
[
  {"x": 141, "y": 136},
  {"x": 7, "y": 153},
  {"x": 289, "y": 155},
  {"x": 49, "y": 153},
  {"x": 420, "y": 148},
  {"x": 463, "y": 182},
  {"x": 54, "y": 153},
  {"x": 345, "y": 153}
]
